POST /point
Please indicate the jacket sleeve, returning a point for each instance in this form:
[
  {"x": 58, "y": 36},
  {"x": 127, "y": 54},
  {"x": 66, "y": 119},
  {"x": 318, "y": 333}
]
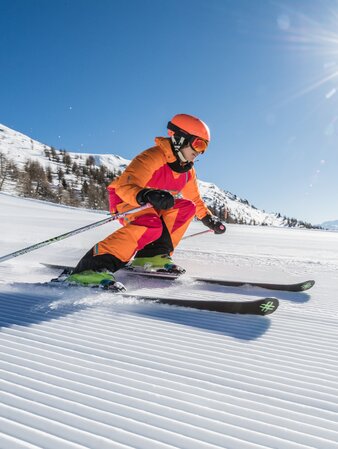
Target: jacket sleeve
[
  {"x": 191, "y": 192},
  {"x": 137, "y": 175}
]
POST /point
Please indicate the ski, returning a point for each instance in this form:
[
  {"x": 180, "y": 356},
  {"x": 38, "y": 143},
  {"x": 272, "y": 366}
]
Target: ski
[
  {"x": 54, "y": 266},
  {"x": 262, "y": 306},
  {"x": 297, "y": 287}
]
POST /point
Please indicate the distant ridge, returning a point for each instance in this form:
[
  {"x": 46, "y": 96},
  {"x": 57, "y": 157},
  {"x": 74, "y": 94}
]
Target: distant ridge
[{"x": 331, "y": 225}]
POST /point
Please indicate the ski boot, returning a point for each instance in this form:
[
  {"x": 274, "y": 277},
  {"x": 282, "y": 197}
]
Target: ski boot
[
  {"x": 103, "y": 279},
  {"x": 162, "y": 263}
]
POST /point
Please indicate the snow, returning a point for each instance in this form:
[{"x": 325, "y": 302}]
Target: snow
[
  {"x": 239, "y": 209},
  {"x": 80, "y": 369}
]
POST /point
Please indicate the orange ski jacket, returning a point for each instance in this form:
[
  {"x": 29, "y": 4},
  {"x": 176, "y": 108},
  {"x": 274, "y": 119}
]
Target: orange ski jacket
[{"x": 150, "y": 169}]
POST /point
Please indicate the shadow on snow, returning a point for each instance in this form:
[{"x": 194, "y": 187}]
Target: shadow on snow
[
  {"x": 243, "y": 327},
  {"x": 28, "y": 304}
]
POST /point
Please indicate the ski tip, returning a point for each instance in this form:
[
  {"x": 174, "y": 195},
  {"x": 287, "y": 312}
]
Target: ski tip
[
  {"x": 307, "y": 285},
  {"x": 268, "y": 306}
]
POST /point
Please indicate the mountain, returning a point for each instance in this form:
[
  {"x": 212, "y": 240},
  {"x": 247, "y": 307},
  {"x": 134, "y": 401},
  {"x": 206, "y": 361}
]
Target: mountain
[
  {"x": 80, "y": 179},
  {"x": 19, "y": 148},
  {"x": 330, "y": 225}
]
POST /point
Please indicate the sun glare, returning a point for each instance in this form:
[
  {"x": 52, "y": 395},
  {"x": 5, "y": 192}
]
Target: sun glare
[
  {"x": 310, "y": 39},
  {"x": 316, "y": 43}
]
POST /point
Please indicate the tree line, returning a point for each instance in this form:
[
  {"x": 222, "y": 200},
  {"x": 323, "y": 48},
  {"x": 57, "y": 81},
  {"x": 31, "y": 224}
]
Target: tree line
[
  {"x": 73, "y": 182},
  {"x": 80, "y": 182}
]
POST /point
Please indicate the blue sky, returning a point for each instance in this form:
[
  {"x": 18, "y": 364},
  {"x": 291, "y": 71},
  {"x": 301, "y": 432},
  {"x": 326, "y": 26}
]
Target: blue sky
[{"x": 105, "y": 76}]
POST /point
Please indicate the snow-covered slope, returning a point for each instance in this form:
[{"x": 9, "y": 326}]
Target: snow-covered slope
[
  {"x": 18, "y": 147},
  {"x": 332, "y": 225},
  {"x": 85, "y": 370},
  {"x": 239, "y": 210}
]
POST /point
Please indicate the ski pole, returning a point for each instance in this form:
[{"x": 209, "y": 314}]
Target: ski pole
[
  {"x": 197, "y": 233},
  {"x": 71, "y": 233}
]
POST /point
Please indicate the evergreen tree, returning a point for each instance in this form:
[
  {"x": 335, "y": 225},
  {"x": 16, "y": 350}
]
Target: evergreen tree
[
  {"x": 49, "y": 174},
  {"x": 66, "y": 159},
  {"x": 34, "y": 181},
  {"x": 8, "y": 170},
  {"x": 75, "y": 168},
  {"x": 85, "y": 187},
  {"x": 90, "y": 161},
  {"x": 53, "y": 153},
  {"x": 60, "y": 174}
]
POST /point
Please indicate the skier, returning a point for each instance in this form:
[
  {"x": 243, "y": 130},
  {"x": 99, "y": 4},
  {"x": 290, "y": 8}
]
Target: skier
[{"x": 164, "y": 177}]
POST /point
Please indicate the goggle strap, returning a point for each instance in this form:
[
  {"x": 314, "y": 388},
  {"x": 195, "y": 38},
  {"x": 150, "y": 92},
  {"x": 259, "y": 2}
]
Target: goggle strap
[
  {"x": 175, "y": 128},
  {"x": 180, "y": 155},
  {"x": 177, "y": 147},
  {"x": 177, "y": 144}
]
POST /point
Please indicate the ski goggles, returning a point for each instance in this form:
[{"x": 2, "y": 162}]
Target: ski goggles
[{"x": 197, "y": 143}]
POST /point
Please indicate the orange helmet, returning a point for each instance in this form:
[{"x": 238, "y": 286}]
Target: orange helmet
[{"x": 192, "y": 128}]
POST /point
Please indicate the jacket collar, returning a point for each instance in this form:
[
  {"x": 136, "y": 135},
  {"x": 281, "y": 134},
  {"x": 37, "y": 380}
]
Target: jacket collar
[
  {"x": 172, "y": 161},
  {"x": 165, "y": 146}
]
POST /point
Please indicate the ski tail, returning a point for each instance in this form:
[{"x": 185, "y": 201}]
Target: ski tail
[
  {"x": 299, "y": 287},
  {"x": 54, "y": 266}
]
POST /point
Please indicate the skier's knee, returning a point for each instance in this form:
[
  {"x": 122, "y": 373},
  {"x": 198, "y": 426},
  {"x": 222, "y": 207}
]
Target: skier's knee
[
  {"x": 187, "y": 208},
  {"x": 154, "y": 226}
]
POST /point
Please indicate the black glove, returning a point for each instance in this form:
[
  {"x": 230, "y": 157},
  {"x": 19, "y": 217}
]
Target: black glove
[
  {"x": 160, "y": 199},
  {"x": 214, "y": 223}
]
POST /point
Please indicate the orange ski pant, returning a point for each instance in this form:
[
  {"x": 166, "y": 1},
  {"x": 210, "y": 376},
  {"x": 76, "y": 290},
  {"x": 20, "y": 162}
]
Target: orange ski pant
[{"x": 145, "y": 227}]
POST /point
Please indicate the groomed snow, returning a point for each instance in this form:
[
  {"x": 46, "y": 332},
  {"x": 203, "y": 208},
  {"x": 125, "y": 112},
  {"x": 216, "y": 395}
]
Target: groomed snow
[{"x": 88, "y": 370}]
